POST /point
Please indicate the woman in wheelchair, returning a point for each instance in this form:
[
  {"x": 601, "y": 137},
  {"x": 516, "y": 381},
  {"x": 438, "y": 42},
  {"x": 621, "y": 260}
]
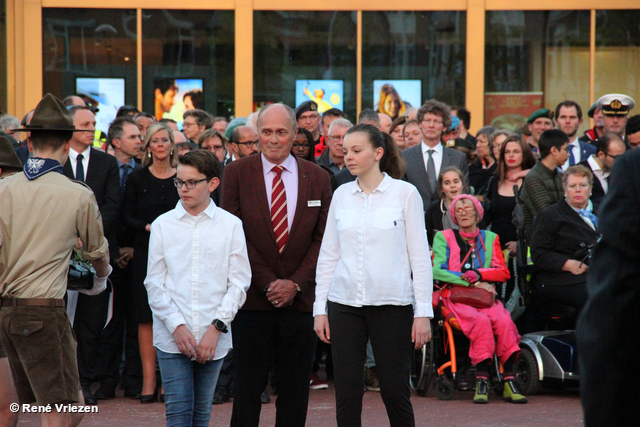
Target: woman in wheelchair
[
  {"x": 560, "y": 238},
  {"x": 472, "y": 258}
]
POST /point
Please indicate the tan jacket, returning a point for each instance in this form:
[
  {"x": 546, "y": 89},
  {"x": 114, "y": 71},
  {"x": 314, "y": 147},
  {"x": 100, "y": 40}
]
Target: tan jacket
[{"x": 40, "y": 221}]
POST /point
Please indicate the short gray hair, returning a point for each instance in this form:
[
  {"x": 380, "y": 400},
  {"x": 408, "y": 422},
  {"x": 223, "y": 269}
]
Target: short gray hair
[
  {"x": 486, "y": 130},
  {"x": 369, "y": 116},
  {"x": 250, "y": 120},
  {"x": 289, "y": 110},
  {"x": 9, "y": 122},
  {"x": 340, "y": 123}
]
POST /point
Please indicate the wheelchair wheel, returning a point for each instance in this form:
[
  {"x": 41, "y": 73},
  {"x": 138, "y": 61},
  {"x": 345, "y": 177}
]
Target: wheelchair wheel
[
  {"x": 527, "y": 373},
  {"x": 444, "y": 389},
  {"x": 422, "y": 369}
]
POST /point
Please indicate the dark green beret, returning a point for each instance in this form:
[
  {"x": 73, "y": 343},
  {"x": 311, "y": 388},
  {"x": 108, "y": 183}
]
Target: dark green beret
[{"x": 543, "y": 112}]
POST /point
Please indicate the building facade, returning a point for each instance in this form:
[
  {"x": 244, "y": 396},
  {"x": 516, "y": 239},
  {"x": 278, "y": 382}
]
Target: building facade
[{"x": 499, "y": 58}]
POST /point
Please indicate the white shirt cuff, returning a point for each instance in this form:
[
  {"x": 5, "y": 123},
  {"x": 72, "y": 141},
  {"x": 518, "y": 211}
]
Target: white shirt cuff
[
  {"x": 320, "y": 308},
  {"x": 423, "y": 310},
  {"x": 174, "y": 321}
]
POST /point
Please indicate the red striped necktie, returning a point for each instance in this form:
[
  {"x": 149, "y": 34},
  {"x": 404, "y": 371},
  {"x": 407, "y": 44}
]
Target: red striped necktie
[{"x": 279, "y": 209}]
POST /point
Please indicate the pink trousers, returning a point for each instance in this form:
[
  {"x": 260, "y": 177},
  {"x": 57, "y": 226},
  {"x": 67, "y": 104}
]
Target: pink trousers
[{"x": 490, "y": 330}]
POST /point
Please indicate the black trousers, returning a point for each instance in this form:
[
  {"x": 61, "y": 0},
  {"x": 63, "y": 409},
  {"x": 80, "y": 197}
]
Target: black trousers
[
  {"x": 90, "y": 317},
  {"x": 389, "y": 328},
  {"x": 574, "y": 296},
  {"x": 120, "y": 331},
  {"x": 256, "y": 336}
]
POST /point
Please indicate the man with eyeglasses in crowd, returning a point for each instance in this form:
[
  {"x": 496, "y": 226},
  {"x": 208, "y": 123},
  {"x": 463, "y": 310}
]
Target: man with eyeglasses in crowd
[
  {"x": 608, "y": 148},
  {"x": 194, "y": 123},
  {"x": 327, "y": 118},
  {"x": 243, "y": 142},
  {"x": 426, "y": 160},
  {"x": 214, "y": 141},
  {"x": 332, "y": 157}
]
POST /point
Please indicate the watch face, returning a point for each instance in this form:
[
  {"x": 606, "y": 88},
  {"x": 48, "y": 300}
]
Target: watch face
[{"x": 220, "y": 325}]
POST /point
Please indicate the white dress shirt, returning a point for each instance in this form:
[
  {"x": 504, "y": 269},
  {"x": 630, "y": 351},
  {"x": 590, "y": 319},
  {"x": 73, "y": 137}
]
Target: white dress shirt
[
  {"x": 73, "y": 156},
  {"x": 599, "y": 174},
  {"x": 198, "y": 271},
  {"x": 371, "y": 245},
  {"x": 437, "y": 155},
  {"x": 289, "y": 179}
]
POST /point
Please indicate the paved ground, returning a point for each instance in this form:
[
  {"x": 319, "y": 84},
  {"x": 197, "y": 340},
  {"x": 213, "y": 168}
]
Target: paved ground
[{"x": 557, "y": 408}]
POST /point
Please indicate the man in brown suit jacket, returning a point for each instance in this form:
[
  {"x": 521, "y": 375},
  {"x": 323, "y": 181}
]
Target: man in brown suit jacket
[{"x": 277, "y": 316}]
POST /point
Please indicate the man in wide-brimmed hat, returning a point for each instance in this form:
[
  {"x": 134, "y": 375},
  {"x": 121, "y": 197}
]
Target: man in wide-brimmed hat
[
  {"x": 42, "y": 215},
  {"x": 9, "y": 164},
  {"x": 9, "y": 161}
]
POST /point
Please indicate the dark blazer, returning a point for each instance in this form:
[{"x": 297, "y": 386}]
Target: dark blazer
[
  {"x": 609, "y": 325},
  {"x": 126, "y": 236},
  {"x": 597, "y": 192},
  {"x": 555, "y": 238},
  {"x": 417, "y": 172},
  {"x": 103, "y": 178},
  {"x": 433, "y": 219},
  {"x": 323, "y": 159},
  {"x": 244, "y": 195},
  {"x": 340, "y": 178}
]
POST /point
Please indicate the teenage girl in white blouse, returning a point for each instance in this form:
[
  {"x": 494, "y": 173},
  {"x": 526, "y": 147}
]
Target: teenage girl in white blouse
[{"x": 374, "y": 277}]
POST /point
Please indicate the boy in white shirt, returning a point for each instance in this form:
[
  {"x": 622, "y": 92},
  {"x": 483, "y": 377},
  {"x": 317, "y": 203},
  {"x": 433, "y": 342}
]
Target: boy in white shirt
[{"x": 197, "y": 277}]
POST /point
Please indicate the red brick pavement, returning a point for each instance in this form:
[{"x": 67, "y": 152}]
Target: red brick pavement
[{"x": 558, "y": 408}]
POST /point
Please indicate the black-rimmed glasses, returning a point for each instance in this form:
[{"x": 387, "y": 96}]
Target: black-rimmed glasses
[{"x": 191, "y": 184}]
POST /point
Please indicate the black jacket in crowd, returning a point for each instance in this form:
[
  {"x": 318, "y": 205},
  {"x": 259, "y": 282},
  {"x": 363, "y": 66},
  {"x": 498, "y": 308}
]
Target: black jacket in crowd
[{"x": 556, "y": 236}]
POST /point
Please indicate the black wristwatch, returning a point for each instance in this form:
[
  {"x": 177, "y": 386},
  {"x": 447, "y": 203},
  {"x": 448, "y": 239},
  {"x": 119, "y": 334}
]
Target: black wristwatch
[{"x": 220, "y": 325}]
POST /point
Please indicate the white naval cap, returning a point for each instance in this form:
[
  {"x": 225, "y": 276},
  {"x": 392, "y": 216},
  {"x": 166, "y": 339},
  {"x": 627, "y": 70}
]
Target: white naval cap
[{"x": 616, "y": 104}]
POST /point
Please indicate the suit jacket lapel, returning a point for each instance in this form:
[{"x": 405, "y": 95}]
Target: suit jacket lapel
[
  {"x": 92, "y": 167},
  {"x": 446, "y": 158},
  {"x": 257, "y": 180},
  {"x": 303, "y": 190},
  {"x": 418, "y": 160}
]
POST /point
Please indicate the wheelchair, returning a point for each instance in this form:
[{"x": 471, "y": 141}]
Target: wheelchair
[{"x": 443, "y": 363}]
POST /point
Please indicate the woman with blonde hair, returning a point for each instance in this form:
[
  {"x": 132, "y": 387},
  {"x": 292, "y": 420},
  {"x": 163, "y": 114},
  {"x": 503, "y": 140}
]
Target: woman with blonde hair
[{"x": 149, "y": 193}]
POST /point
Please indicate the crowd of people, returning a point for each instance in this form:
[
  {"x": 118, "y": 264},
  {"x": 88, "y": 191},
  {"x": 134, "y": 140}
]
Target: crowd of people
[{"x": 239, "y": 252}]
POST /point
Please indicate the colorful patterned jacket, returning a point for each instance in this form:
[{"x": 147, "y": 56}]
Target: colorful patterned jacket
[{"x": 448, "y": 257}]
